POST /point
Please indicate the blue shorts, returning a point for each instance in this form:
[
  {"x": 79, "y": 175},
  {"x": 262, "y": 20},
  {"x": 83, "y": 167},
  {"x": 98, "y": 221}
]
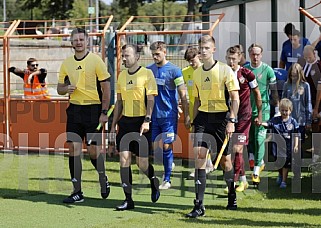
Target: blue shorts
[{"x": 165, "y": 129}]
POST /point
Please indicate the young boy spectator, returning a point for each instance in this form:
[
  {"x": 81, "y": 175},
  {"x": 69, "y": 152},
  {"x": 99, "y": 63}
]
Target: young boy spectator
[{"x": 286, "y": 126}]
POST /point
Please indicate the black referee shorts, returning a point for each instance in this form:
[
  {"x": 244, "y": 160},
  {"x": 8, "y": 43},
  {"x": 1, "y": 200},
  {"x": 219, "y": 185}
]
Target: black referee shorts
[
  {"x": 82, "y": 121},
  {"x": 128, "y": 138},
  {"x": 210, "y": 131}
]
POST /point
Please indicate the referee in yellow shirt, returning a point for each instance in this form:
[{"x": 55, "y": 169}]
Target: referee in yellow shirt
[
  {"x": 211, "y": 119},
  {"x": 136, "y": 88},
  {"x": 88, "y": 87},
  {"x": 193, "y": 58}
]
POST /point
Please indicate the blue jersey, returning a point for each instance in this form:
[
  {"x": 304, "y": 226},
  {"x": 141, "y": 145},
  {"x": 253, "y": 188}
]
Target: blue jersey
[
  {"x": 281, "y": 77},
  {"x": 303, "y": 41},
  {"x": 290, "y": 55},
  {"x": 285, "y": 129},
  {"x": 168, "y": 78}
]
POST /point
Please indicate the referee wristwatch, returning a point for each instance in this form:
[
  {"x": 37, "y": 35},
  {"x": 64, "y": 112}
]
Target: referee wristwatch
[
  {"x": 147, "y": 119},
  {"x": 104, "y": 111},
  {"x": 232, "y": 120}
]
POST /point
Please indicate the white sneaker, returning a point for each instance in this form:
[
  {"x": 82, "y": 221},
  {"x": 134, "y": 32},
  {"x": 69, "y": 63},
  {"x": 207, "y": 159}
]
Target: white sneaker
[
  {"x": 173, "y": 166},
  {"x": 165, "y": 185}
]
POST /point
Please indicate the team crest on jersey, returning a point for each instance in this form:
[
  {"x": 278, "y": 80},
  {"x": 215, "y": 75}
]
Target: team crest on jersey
[
  {"x": 259, "y": 76},
  {"x": 242, "y": 79},
  {"x": 289, "y": 127},
  {"x": 312, "y": 72},
  {"x": 300, "y": 90}
]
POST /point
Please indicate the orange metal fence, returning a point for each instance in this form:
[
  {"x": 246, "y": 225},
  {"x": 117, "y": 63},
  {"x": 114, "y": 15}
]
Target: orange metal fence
[
  {"x": 35, "y": 124},
  {"x": 31, "y": 123},
  {"x": 177, "y": 34}
]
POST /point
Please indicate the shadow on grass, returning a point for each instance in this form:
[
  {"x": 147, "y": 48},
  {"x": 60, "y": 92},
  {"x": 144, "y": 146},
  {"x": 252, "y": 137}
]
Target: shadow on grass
[
  {"x": 68, "y": 180},
  {"x": 244, "y": 222},
  {"x": 305, "y": 189},
  {"x": 56, "y": 199}
]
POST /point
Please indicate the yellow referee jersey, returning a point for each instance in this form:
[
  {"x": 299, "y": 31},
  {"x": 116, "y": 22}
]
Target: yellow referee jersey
[
  {"x": 209, "y": 86},
  {"x": 133, "y": 89},
  {"x": 85, "y": 74}
]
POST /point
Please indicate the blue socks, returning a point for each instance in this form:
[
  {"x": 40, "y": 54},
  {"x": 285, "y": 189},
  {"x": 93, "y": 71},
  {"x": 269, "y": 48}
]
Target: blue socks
[{"x": 168, "y": 158}]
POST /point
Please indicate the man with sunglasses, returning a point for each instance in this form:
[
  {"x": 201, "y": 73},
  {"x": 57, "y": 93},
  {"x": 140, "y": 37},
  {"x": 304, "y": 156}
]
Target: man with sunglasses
[{"x": 34, "y": 80}]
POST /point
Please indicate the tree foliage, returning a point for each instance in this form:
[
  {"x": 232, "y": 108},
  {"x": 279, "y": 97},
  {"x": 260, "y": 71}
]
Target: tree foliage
[
  {"x": 58, "y": 9},
  {"x": 121, "y": 9},
  {"x": 79, "y": 9},
  {"x": 156, "y": 9}
]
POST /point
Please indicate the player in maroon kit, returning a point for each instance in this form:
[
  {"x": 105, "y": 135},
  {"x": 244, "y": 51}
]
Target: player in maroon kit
[{"x": 240, "y": 137}]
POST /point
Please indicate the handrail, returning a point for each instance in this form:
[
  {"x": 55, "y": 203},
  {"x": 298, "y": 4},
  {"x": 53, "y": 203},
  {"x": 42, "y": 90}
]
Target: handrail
[
  {"x": 310, "y": 16},
  {"x": 218, "y": 20}
]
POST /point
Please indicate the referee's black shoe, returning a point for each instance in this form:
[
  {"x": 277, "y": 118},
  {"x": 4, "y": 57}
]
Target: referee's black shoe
[
  {"x": 126, "y": 205},
  {"x": 198, "y": 210},
  {"x": 154, "y": 184},
  {"x": 231, "y": 205},
  {"x": 104, "y": 187},
  {"x": 76, "y": 197}
]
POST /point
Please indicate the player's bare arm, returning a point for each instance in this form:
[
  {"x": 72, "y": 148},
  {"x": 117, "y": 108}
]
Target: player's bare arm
[
  {"x": 182, "y": 93},
  {"x": 117, "y": 112},
  {"x": 149, "y": 110},
  {"x": 105, "y": 87},
  {"x": 317, "y": 102},
  {"x": 235, "y": 101},
  {"x": 258, "y": 102},
  {"x": 63, "y": 88},
  {"x": 281, "y": 64},
  {"x": 197, "y": 104},
  {"x": 275, "y": 96}
]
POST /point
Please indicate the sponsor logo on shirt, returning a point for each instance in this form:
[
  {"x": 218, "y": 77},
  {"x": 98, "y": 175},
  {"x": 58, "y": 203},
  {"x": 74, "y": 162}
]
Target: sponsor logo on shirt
[{"x": 241, "y": 138}]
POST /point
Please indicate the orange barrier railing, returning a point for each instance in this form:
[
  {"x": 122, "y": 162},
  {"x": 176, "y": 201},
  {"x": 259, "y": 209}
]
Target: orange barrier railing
[
  {"x": 310, "y": 16},
  {"x": 128, "y": 29},
  {"x": 23, "y": 115}
]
